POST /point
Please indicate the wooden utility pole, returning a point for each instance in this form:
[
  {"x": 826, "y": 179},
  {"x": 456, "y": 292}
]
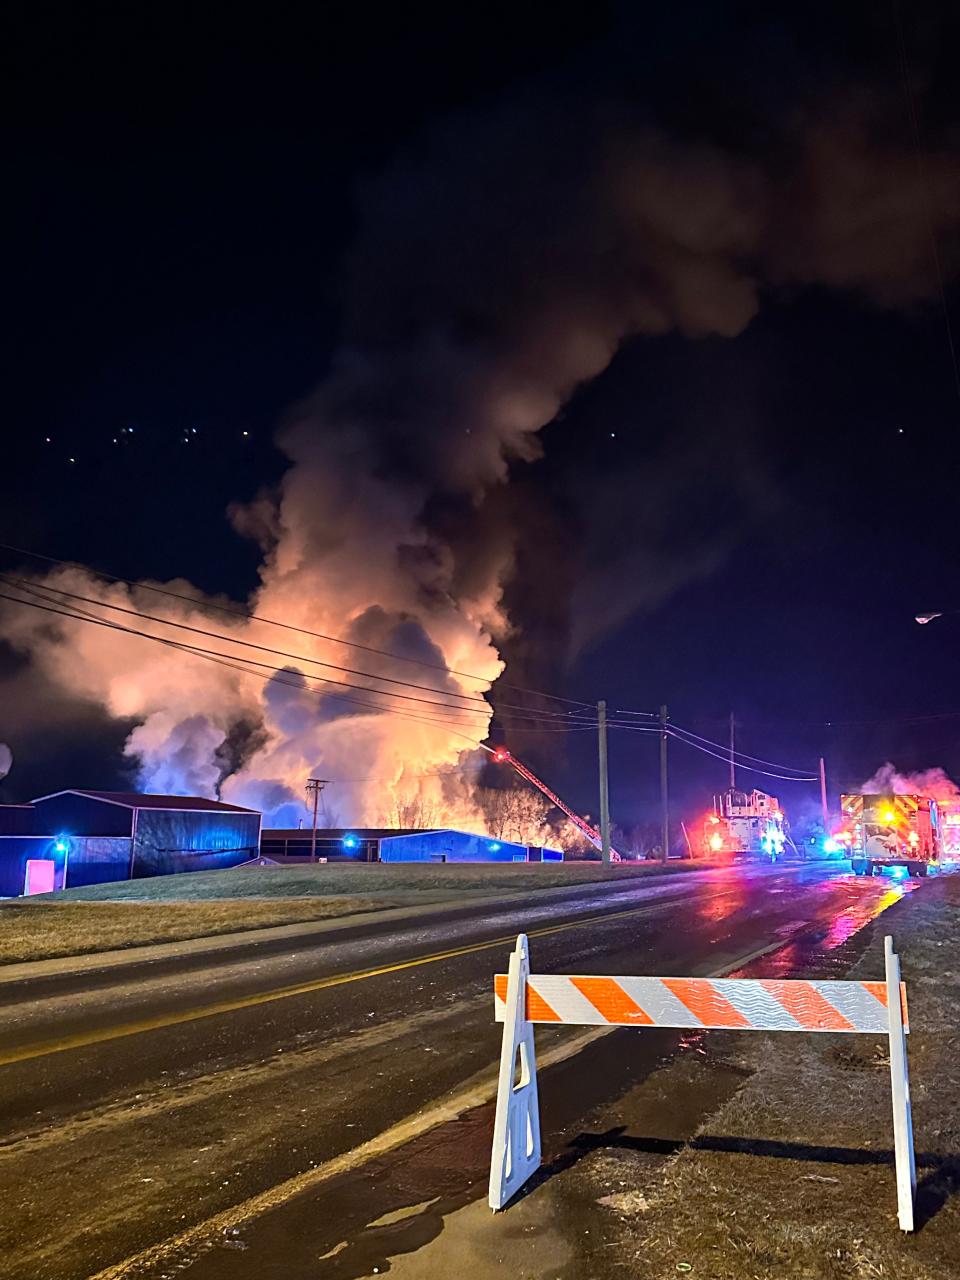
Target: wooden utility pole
[
  {"x": 664, "y": 799},
  {"x": 604, "y": 789},
  {"x": 315, "y": 787},
  {"x": 823, "y": 798}
]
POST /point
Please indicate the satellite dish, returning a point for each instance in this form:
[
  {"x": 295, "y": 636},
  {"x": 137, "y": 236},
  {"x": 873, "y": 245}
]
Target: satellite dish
[{"x": 6, "y": 759}]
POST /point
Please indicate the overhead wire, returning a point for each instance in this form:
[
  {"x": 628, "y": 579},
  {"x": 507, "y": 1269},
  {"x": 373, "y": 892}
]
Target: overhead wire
[
  {"x": 387, "y": 693},
  {"x": 534, "y": 719},
  {"x": 254, "y": 617},
  {"x": 441, "y": 714},
  {"x": 513, "y": 712},
  {"x": 740, "y": 755},
  {"x": 242, "y": 664},
  {"x": 766, "y": 773},
  {"x": 277, "y": 677},
  {"x": 740, "y": 758},
  {"x": 25, "y": 584}
]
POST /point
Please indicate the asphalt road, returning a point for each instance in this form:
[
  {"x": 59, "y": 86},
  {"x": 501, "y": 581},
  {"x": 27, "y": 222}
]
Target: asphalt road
[{"x": 148, "y": 1110}]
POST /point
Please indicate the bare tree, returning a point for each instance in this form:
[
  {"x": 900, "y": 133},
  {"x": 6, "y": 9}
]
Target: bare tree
[
  {"x": 495, "y": 806},
  {"x": 515, "y": 813},
  {"x": 416, "y": 812}
]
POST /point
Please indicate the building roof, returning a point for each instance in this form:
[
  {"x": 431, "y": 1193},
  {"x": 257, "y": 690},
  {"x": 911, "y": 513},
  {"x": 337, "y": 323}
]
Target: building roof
[{"x": 136, "y": 800}]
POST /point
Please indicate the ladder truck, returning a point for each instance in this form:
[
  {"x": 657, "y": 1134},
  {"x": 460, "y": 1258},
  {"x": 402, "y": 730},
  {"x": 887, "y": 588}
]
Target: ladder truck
[
  {"x": 503, "y": 756},
  {"x": 746, "y": 825}
]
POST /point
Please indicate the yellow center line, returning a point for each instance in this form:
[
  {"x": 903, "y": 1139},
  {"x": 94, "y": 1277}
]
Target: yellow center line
[{"x": 84, "y": 1039}]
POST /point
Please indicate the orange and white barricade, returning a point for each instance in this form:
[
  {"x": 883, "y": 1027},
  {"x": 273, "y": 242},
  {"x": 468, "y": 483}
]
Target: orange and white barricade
[{"x": 742, "y": 1004}]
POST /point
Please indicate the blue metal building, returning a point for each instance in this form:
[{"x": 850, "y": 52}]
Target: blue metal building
[
  {"x": 390, "y": 844},
  {"x": 80, "y": 837}
]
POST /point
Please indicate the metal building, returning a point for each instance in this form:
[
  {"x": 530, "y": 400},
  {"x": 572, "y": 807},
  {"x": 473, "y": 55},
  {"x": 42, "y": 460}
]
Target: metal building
[
  {"x": 79, "y": 837},
  {"x": 392, "y": 844}
]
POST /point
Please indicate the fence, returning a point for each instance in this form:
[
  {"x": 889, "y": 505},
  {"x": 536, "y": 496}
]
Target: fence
[{"x": 522, "y": 999}]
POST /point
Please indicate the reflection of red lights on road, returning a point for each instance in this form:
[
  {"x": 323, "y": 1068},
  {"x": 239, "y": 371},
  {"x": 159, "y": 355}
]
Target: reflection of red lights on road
[
  {"x": 854, "y": 918},
  {"x": 829, "y": 927}
]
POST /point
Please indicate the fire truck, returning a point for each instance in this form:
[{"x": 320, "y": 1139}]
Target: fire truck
[
  {"x": 890, "y": 831},
  {"x": 950, "y": 828},
  {"x": 746, "y": 825}
]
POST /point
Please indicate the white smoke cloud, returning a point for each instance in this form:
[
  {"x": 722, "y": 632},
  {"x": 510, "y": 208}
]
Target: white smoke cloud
[
  {"x": 888, "y": 780},
  {"x": 471, "y": 317}
]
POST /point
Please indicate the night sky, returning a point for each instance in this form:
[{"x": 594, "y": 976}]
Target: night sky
[{"x": 205, "y": 201}]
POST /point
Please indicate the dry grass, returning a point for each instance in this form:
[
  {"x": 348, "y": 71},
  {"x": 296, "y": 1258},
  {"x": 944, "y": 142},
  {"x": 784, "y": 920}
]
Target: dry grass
[
  {"x": 369, "y": 878},
  {"x": 201, "y": 904},
  {"x": 793, "y": 1177},
  {"x": 44, "y": 930}
]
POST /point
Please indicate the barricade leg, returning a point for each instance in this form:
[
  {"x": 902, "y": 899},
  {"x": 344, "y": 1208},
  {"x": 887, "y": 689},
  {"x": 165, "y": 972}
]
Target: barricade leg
[
  {"x": 900, "y": 1085},
  {"x": 516, "y": 1129}
]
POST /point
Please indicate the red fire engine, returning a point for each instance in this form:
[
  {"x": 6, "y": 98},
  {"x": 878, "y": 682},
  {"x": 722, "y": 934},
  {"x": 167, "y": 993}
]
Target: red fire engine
[{"x": 950, "y": 827}]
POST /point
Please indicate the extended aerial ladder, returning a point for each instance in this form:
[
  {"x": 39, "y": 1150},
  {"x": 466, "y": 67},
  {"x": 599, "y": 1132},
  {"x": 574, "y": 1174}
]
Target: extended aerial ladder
[{"x": 503, "y": 756}]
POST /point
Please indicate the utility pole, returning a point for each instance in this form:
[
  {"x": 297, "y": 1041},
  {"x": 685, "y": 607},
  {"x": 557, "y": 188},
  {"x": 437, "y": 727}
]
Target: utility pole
[
  {"x": 664, "y": 801},
  {"x": 604, "y": 791},
  {"x": 314, "y": 788},
  {"x": 823, "y": 798},
  {"x": 733, "y": 769}
]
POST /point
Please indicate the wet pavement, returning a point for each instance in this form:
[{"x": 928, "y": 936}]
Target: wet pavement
[{"x": 205, "y": 1143}]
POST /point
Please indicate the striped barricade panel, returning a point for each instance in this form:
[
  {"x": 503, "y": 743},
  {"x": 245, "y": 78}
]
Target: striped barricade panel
[{"x": 744, "y": 1004}]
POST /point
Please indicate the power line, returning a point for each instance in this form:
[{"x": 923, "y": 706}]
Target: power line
[
  {"x": 738, "y": 755},
  {"x": 740, "y": 758},
  {"x": 23, "y": 584},
  {"x": 253, "y": 617},
  {"x": 672, "y": 731},
  {"x": 147, "y": 617},
  {"x": 519, "y": 714},
  {"x": 278, "y": 674},
  {"x": 746, "y": 767},
  {"x": 224, "y": 661}
]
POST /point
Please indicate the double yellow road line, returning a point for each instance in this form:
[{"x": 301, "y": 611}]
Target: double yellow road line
[{"x": 85, "y": 1039}]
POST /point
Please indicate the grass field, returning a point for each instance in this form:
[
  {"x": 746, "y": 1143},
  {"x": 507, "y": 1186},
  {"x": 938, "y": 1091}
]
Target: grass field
[
  {"x": 32, "y": 930},
  {"x": 203, "y": 904},
  {"x": 322, "y": 879}
]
